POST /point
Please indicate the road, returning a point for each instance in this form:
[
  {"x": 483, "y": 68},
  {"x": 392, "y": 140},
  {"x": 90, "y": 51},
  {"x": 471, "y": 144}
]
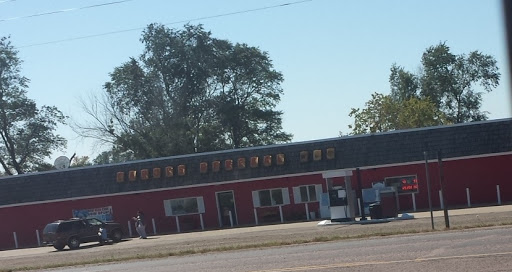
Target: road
[{"x": 471, "y": 250}]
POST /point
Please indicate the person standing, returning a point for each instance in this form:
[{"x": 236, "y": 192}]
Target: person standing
[{"x": 140, "y": 225}]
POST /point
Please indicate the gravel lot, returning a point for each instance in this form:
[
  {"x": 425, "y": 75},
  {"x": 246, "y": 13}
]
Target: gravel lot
[{"x": 214, "y": 240}]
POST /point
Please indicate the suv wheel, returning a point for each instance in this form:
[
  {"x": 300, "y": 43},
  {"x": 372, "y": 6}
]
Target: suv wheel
[
  {"x": 59, "y": 246},
  {"x": 117, "y": 235},
  {"x": 73, "y": 243}
]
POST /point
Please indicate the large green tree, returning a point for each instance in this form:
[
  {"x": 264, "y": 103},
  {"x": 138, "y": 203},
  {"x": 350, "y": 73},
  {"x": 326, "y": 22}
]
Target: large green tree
[
  {"x": 449, "y": 81},
  {"x": 27, "y": 133},
  {"x": 248, "y": 91},
  {"x": 443, "y": 92},
  {"x": 187, "y": 92},
  {"x": 385, "y": 113}
]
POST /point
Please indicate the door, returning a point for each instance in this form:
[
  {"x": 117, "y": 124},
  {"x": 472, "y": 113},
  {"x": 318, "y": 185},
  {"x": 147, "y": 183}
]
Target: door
[
  {"x": 91, "y": 228},
  {"x": 226, "y": 204}
]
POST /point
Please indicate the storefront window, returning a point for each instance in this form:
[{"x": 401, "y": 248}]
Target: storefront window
[
  {"x": 273, "y": 197},
  {"x": 265, "y": 199},
  {"x": 277, "y": 197},
  {"x": 307, "y": 193},
  {"x": 182, "y": 206}
]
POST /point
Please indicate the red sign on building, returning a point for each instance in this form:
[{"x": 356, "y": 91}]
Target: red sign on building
[{"x": 404, "y": 184}]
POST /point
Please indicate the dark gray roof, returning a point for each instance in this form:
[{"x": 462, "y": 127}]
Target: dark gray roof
[{"x": 461, "y": 140}]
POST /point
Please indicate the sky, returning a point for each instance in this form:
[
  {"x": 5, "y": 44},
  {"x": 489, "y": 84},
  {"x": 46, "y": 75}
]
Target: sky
[{"x": 333, "y": 54}]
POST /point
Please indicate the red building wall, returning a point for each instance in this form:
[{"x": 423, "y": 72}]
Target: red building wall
[{"x": 480, "y": 175}]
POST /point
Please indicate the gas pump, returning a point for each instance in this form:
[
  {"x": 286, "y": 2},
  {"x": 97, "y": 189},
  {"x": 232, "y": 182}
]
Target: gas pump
[{"x": 341, "y": 202}]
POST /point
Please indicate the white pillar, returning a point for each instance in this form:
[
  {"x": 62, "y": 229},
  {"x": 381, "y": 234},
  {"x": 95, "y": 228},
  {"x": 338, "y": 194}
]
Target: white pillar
[
  {"x": 230, "y": 218},
  {"x": 468, "y": 197},
  {"x": 441, "y": 199},
  {"x": 201, "y": 219},
  {"x": 281, "y": 213},
  {"x": 414, "y": 202},
  {"x": 498, "y": 193},
  {"x": 38, "y": 238},
  {"x": 178, "y": 224},
  {"x": 359, "y": 206},
  {"x": 15, "y": 239},
  {"x": 130, "y": 228},
  {"x": 154, "y": 226},
  {"x": 307, "y": 211},
  {"x": 256, "y": 216}
]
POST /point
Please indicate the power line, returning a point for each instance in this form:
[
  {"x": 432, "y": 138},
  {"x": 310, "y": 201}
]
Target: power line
[
  {"x": 5, "y": 1},
  {"x": 172, "y": 23},
  {"x": 60, "y": 11}
]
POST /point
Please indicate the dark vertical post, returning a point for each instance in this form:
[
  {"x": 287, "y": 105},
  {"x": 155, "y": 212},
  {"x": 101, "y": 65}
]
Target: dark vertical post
[
  {"x": 425, "y": 154},
  {"x": 507, "y": 8},
  {"x": 360, "y": 189},
  {"x": 443, "y": 191}
]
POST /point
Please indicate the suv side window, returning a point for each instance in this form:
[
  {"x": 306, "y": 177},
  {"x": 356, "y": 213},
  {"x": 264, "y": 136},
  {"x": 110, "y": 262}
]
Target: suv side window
[
  {"x": 65, "y": 227},
  {"x": 94, "y": 222},
  {"x": 51, "y": 228},
  {"x": 77, "y": 225}
]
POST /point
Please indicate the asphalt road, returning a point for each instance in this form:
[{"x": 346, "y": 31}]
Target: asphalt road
[{"x": 474, "y": 250}]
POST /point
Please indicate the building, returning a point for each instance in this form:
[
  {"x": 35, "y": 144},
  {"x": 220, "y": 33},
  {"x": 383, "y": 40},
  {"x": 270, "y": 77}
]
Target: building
[{"x": 267, "y": 184}]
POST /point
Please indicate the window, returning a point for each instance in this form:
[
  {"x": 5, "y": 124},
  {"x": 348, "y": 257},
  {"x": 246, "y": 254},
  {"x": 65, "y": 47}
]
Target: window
[
  {"x": 265, "y": 198},
  {"x": 307, "y": 193},
  {"x": 277, "y": 197},
  {"x": 64, "y": 227},
  {"x": 270, "y": 197},
  {"x": 51, "y": 228},
  {"x": 182, "y": 206},
  {"x": 94, "y": 222}
]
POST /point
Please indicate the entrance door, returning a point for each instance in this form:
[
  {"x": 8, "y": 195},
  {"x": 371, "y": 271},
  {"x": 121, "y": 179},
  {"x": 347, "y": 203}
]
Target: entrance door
[{"x": 226, "y": 203}]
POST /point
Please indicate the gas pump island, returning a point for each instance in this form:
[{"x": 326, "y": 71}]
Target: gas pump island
[{"x": 381, "y": 200}]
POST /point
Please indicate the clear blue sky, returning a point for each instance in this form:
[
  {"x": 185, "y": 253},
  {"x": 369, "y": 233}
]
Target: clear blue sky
[{"x": 333, "y": 53}]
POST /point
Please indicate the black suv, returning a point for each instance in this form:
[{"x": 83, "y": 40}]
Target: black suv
[{"x": 74, "y": 231}]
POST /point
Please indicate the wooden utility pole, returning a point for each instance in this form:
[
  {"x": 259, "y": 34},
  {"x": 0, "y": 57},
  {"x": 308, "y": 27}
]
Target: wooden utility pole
[
  {"x": 443, "y": 190},
  {"x": 425, "y": 154}
]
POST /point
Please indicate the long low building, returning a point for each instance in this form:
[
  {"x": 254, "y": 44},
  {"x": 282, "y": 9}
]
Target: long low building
[{"x": 266, "y": 184}]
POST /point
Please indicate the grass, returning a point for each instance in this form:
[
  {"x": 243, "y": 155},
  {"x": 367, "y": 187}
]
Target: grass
[{"x": 318, "y": 239}]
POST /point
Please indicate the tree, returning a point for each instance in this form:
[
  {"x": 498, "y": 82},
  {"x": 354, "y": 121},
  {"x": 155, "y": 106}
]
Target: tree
[
  {"x": 384, "y": 113},
  {"x": 113, "y": 155},
  {"x": 26, "y": 132},
  {"x": 378, "y": 115},
  {"x": 404, "y": 85},
  {"x": 80, "y": 161},
  {"x": 249, "y": 91},
  {"x": 449, "y": 81},
  {"x": 442, "y": 93},
  {"x": 187, "y": 92}
]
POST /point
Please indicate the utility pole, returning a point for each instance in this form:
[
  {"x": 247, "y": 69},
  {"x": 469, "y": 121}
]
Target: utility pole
[
  {"x": 425, "y": 154},
  {"x": 443, "y": 191}
]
